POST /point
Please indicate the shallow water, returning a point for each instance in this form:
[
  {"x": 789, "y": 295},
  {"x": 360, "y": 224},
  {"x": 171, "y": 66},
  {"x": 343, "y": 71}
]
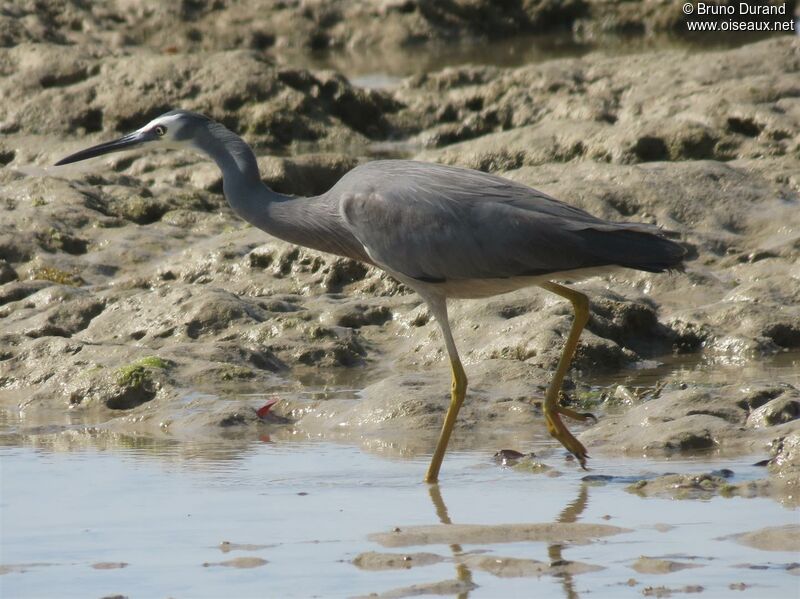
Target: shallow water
[
  {"x": 76, "y": 502},
  {"x": 384, "y": 69},
  {"x": 308, "y": 509}
]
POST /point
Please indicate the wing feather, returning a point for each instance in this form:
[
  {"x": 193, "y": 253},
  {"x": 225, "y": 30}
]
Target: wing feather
[{"x": 433, "y": 222}]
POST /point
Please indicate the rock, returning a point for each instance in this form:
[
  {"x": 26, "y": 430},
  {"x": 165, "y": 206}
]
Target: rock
[
  {"x": 239, "y": 562},
  {"x": 310, "y": 174},
  {"x": 533, "y": 466},
  {"x": 359, "y": 315},
  {"x": 237, "y": 87},
  {"x": 679, "y": 420},
  {"x": 7, "y": 273},
  {"x": 314, "y": 26},
  {"x": 759, "y": 395},
  {"x": 780, "y": 410},
  {"x": 784, "y": 468},
  {"x": 54, "y": 310},
  {"x": 16, "y": 291},
  {"x": 442, "y": 587},
  {"x": 784, "y": 538},
  {"x": 374, "y": 561},
  {"x": 227, "y": 546},
  {"x": 510, "y": 567},
  {"x": 343, "y": 272},
  {"x": 593, "y": 110},
  {"x": 652, "y": 565},
  {"x": 681, "y": 486}
]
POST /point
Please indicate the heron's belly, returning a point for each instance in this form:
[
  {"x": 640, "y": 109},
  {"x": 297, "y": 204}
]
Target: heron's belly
[{"x": 477, "y": 288}]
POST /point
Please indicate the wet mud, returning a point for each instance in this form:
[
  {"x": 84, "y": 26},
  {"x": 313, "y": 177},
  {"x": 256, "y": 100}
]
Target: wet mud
[{"x": 134, "y": 299}]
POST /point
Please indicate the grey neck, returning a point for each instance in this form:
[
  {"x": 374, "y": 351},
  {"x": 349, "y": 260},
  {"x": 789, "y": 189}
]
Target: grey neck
[
  {"x": 312, "y": 222},
  {"x": 235, "y": 159},
  {"x": 241, "y": 181}
]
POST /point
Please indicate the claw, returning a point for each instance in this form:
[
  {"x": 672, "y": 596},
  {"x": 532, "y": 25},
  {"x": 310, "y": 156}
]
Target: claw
[{"x": 558, "y": 431}]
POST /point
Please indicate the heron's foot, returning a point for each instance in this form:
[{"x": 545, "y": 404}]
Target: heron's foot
[{"x": 559, "y": 431}]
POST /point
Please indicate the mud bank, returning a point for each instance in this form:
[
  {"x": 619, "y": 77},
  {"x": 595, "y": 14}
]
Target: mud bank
[{"x": 132, "y": 299}]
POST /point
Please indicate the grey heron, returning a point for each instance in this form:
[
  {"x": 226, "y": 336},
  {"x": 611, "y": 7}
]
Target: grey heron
[{"x": 444, "y": 231}]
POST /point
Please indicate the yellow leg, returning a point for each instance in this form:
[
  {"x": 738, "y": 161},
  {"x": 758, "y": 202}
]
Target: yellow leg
[
  {"x": 458, "y": 390},
  {"x": 552, "y": 409}
]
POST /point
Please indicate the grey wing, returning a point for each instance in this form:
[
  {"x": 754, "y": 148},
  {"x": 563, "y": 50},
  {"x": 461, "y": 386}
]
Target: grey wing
[{"x": 434, "y": 223}]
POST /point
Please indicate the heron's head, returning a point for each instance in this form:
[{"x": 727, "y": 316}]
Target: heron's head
[{"x": 174, "y": 129}]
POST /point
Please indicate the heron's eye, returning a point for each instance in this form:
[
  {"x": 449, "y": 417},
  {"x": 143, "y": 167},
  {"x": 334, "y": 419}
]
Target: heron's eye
[{"x": 160, "y": 130}]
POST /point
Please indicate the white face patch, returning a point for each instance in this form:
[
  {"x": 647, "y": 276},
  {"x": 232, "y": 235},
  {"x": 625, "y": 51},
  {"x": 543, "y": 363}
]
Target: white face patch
[{"x": 169, "y": 122}]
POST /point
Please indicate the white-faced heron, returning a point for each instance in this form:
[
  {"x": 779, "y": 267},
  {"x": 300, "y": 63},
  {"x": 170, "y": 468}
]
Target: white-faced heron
[{"x": 446, "y": 232}]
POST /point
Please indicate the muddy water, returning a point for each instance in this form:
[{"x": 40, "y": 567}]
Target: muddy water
[
  {"x": 295, "y": 519},
  {"x": 385, "y": 69},
  {"x": 93, "y": 513}
]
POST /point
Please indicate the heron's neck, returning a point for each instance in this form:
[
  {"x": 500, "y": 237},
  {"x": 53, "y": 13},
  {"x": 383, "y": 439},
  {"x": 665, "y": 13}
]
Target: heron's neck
[
  {"x": 310, "y": 222},
  {"x": 241, "y": 181},
  {"x": 233, "y": 157}
]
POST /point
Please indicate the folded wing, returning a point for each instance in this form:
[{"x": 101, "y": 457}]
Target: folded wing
[{"x": 435, "y": 223}]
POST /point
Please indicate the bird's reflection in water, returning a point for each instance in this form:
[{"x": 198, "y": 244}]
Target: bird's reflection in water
[
  {"x": 463, "y": 573},
  {"x": 571, "y": 513},
  {"x": 464, "y": 583}
]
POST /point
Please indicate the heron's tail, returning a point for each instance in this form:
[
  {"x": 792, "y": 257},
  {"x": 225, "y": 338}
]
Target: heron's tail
[{"x": 635, "y": 246}]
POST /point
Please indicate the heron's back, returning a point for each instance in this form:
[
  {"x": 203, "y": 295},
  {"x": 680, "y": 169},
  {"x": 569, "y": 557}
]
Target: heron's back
[{"x": 438, "y": 223}]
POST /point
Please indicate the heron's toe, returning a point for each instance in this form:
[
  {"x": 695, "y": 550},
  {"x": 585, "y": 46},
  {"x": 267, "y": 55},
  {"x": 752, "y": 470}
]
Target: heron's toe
[
  {"x": 579, "y": 416},
  {"x": 560, "y": 432}
]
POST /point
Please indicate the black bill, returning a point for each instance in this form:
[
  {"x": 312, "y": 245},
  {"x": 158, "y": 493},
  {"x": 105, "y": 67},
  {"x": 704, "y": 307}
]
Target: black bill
[{"x": 123, "y": 143}]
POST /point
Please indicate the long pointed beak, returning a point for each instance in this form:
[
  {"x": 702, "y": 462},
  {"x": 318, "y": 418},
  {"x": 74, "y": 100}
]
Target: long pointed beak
[{"x": 123, "y": 143}]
